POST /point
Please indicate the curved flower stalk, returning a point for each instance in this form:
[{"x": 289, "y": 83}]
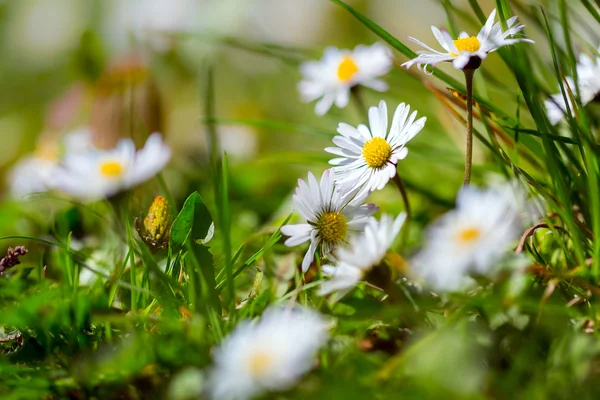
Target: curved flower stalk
[
  {"x": 588, "y": 78},
  {"x": 269, "y": 355},
  {"x": 368, "y": 156},
  {"x": 466, "y": 53},
  {"x": 99, "y": 174},
  {"x": 330, "y": 213},
  {"x": 331, "y": 78},
  {"x": 365, "y": 251},
  {"x": 472, "y": 238}
]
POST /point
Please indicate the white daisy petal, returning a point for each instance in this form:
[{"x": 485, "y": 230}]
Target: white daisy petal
[
  {"x": 330, "y": 211},
  {"x": 368, "y": 163},
  {"x": 95, "y": 174},
  {"x": 490, "y": 38},
  {"x": 270, "y": 354},
  {"x": 472, "y": 238},
  {"x": 365, "y": 251},
  {"x": 331, "y": 78},
  {"x": 588, "y": 79}
]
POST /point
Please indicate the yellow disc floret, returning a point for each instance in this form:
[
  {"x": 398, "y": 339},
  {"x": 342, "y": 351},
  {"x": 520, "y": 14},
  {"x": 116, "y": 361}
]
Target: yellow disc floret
[
  {"x": 259, "y": 363},
  {"x": 470, "y": 44},
  {"x": 469, "y": 235},
  {"x": 377, "y": 152},
  {"x": 347, "y": 69},
  {"x": 111, "y": 169},
  {"x": 333, "y": 227}
]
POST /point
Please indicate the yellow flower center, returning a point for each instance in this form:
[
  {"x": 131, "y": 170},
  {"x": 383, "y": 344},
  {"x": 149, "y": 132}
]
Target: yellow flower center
[
  {"x": 333, "y": 227},
  {"x": 111, "y": 169},
  {"x": 377, "y": 152},
  {"x": 347, "y": 69},
  {"x": 259, "y": 363},
  {"x": 469, "y": 235},
  {"x": 470, "y": 44}
]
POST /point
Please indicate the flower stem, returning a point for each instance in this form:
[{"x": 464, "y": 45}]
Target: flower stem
[
  {"x": 469, "y": 156},
  {"x": 402, "y": 190},
  {"x": 406, "y": 227},
  {"x": 356, "y": 94}
]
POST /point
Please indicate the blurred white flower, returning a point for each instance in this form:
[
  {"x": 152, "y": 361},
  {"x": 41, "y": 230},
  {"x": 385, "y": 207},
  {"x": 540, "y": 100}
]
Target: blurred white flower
[
  {"x": 472, "y": 238},
  {"x": 368, "y": 156},
  {"x": 330, "y": 213},
  {"x": 98, "y": 174},
  {"x": 43, "y": 31},
  {"x": 36, "y": 172},
  {"x": 365, "y": 251},
  {"x": 151, "y": 21},
  {"x": 588, "y": 77},
  {"x": 467, "y": 48},
  {"x": 32, "y": 174},
  {"x": 268, "y": 355},
  {"x": 331, "y": 78},
  {"x": 287, "y": 22}
]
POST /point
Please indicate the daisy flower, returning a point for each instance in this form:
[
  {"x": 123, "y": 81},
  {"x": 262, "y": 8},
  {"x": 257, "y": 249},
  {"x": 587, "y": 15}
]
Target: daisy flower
[
  {"x": 472, "y": 238},
  {"x": 330, "y": 213},
  {"x": 368, "y": 156},
  {"x": 366, "y": 251},
  {"x": 467, "y": 51},
  {"x": 98, "y": 174},
  {"x": 269, "y": 355},
  {"x": 331, "y": 78},
  {"x": 588, "y": 77},
  {"x": 35, "y": 173}
]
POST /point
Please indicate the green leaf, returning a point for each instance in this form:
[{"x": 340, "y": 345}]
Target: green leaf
[
  {"x": 206, "y": 265},
  {"x": 193, "y": 222}
]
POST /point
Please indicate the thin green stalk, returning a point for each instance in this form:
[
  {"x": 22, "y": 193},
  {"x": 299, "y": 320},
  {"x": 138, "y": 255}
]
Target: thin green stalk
[
  {"x": 225, "y": 220},
  {"x": 469, "y": 155},
  {"x": 356, "y": 94},
  {"x": 404, "y": 194},
  {"x": 406, "y": 226}
]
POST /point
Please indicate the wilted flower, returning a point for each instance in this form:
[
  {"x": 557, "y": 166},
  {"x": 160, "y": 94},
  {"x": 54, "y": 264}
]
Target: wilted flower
[
  {"x": 330, "y": 213},
  {"x": 472, "y": 238},
  {"x": 467, "y": 51},
  {"x": 365, "y": 251},
  {"x": 268, "y": 355},
  {"x": 368, "y": 156},
  {"x": 588, "y": 77},
  {"x": 99, "y": 173},
  {"x": 126, "y": 101},
  {"x": 331, "y": 78},
  {"x": 12, "y": 258},
  {"x": 155, "y": 229}
]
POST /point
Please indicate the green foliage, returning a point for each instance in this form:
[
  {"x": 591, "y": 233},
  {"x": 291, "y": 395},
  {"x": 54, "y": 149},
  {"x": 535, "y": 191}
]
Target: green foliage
[{"x": 144, "y": 322}]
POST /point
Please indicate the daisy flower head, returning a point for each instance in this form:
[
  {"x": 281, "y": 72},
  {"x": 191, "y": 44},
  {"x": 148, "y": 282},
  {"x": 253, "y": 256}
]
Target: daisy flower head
[
  {"x": 268, "y": 355},
  {"x": 98, "y": 174},
  {"x": 368, "y": 155},
  {"x": 467, "y": 51},
  {"x": 366, "y": 250},
  {"x": 472, "y": 238},
  {"x": 331, "y": 78},
  {"x": 35, "y": 172},
  {"x": 588, "y": 78},
  {"x": 330, "y": 213}
]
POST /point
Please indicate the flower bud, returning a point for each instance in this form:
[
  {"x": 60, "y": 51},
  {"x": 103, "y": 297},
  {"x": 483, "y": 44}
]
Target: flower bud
[{"x": 156, "y": 225}]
